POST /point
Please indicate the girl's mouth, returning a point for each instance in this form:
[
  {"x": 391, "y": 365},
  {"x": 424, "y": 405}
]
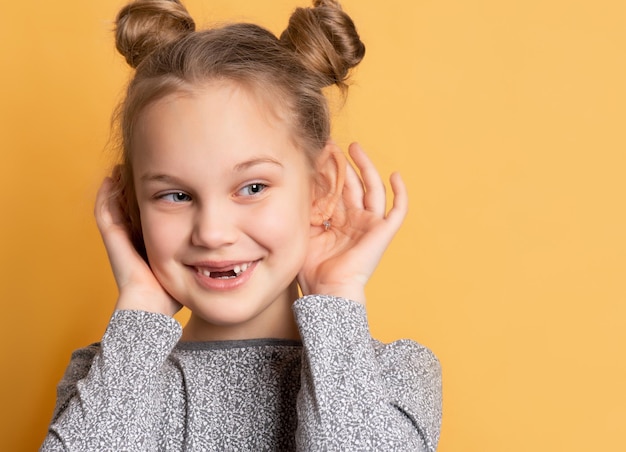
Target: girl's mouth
[{"x": 233, "y": 273}]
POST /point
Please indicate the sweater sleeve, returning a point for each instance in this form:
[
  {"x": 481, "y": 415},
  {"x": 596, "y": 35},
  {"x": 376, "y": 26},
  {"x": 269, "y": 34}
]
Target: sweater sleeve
[
  {"x": 358, "y": 394},
  {"x": 109, "y": 394}
]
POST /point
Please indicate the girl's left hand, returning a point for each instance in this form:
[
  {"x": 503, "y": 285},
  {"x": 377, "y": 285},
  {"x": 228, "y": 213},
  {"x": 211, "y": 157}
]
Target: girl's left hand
[{"x": 341, "y": 259}]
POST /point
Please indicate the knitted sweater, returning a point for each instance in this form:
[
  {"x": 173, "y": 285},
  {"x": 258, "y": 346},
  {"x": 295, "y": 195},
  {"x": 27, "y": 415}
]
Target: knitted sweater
[{"x": 140, "y": 389}]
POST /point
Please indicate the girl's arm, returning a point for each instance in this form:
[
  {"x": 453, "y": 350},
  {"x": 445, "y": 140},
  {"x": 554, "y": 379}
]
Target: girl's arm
[
  {"x": 357, "y": 394},
  {"x": 108, "y": 398}
]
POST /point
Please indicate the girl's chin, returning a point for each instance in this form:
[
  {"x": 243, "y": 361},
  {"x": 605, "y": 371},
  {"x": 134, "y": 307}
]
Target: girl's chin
[{"x": 225, "y": 327}]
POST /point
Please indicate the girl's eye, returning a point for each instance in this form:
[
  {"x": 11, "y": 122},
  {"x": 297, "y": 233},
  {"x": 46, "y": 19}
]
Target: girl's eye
[
  {"x": 252, "y": 189},
  {"x": 175, "y": 197}
]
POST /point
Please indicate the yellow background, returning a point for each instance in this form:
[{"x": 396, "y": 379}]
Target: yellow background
[{"x": 507, "y": 119}]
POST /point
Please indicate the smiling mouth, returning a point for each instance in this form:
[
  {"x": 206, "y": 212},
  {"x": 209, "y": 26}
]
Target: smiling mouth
[{"x": 233, "y": 273}]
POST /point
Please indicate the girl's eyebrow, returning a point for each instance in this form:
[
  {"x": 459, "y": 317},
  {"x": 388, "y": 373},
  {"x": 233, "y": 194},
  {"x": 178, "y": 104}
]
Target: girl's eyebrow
[
  {"x": 256, "y": 161},
  {"x": 152, "y": 177},
  {"x": 239, "y": 167}
]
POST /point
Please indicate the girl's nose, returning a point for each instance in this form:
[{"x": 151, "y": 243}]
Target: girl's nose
[{"x": 214, "y": 227}]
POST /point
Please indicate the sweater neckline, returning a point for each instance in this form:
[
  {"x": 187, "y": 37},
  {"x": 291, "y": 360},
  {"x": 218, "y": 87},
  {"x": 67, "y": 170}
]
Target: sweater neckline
[{"x": 242, "y": 343}]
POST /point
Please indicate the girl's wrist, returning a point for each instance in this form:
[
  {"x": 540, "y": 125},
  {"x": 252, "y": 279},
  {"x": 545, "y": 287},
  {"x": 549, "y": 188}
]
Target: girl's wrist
[
  {"x": 349, "y": 293},
  {"x": 146, "y": 302}
]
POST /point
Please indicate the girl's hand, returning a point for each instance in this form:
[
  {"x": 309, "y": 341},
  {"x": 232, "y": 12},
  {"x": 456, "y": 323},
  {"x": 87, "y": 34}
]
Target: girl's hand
[
  {"x": 341, "y": 259},
  {"x": 138, "y": 287}
]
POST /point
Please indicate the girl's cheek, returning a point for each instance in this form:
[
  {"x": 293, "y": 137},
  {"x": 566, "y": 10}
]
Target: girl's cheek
[
  {"x": 284, "y": 217},
  {"x": 160, "y": 232}
]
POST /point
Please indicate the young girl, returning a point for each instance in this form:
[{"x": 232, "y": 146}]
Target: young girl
[{"x": 231, "y": 199}]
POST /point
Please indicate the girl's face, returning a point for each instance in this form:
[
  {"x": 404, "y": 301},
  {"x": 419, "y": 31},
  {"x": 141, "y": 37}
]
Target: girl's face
[{"x": 225, "y": 202}]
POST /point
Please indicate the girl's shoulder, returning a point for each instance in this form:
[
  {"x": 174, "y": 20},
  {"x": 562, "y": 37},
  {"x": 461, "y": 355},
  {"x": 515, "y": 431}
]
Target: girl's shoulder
[
  {"x": 412, "y": 376},
  {"x": 407, "y": 361},
  {"x": 405, "y": 349},
  {"x": 77, "y": 369},
  {"x": 80, "y": 361}
]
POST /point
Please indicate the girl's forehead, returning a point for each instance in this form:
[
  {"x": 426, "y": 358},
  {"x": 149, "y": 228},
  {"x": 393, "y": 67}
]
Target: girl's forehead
[
  {"x": 266, "y": 99},
  {"x": 219, "y": 107},
  {"x": 218, "y": 120},
  {"x": 220, "y": 96}
]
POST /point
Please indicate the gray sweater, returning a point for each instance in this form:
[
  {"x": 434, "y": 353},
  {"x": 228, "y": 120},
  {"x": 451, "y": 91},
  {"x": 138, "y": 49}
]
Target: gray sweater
[{"x": 140, "y": 389}]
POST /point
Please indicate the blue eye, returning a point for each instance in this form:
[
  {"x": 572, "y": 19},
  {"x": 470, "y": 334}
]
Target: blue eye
[
  {"x": 176, "y": 197},
  {"x": 252, "y": 189}
]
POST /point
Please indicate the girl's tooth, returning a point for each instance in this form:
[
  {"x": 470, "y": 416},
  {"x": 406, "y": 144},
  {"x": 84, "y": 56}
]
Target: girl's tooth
[{"x": 237, "y": 269}]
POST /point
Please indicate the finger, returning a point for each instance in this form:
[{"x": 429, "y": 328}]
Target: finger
[
  {"x": 353, "y": 191},
  {"x": 380, "y": 238},
  {"x": 375, "y": 197},
  {"x": 400, "y": 206}
]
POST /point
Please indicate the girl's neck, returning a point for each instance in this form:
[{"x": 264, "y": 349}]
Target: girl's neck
[{"x": 277, "y": 321}]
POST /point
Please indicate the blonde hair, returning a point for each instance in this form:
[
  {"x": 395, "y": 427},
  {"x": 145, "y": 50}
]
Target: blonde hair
[{"x": 158, "y": 38}]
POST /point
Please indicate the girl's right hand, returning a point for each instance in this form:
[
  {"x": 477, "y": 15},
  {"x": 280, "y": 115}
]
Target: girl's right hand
[
  {"x": 342, "y": 258},
  {"x": 137, "y": 285}
]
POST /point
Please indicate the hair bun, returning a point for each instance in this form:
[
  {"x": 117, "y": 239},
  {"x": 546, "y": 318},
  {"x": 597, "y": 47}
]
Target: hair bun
[
  {"x": 326, "y": 40},
  {"x": 144, "y": 25}
]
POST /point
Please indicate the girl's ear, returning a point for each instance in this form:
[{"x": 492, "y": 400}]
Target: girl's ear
[{"x": 330, "y": 174}]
